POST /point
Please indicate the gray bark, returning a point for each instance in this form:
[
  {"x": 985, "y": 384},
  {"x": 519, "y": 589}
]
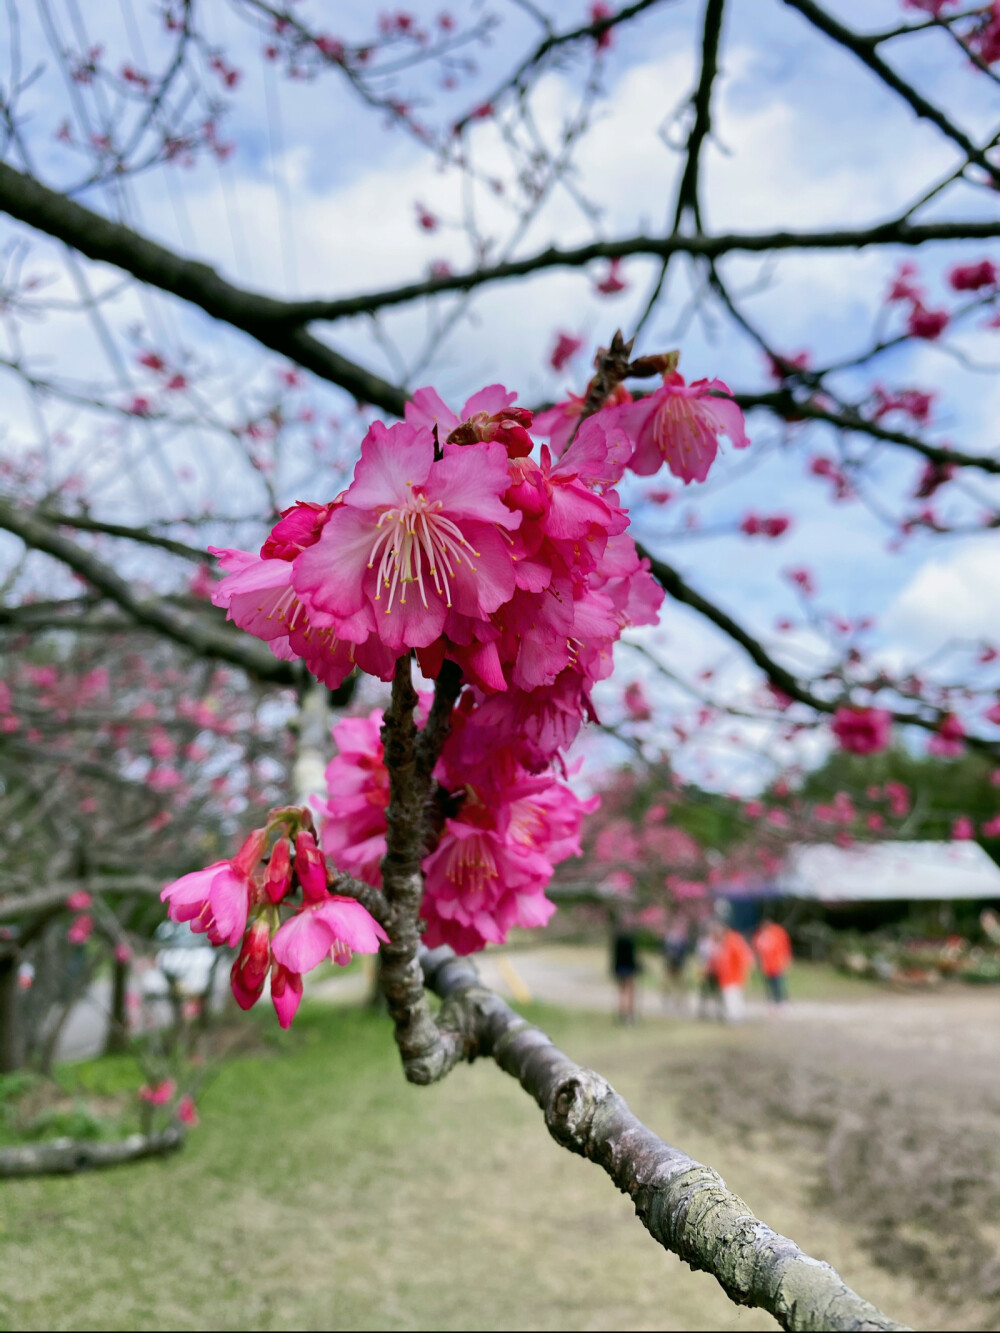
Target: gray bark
[
  {"x": 62, "y": 1157},
  {"x": 684, "y": 1205}
]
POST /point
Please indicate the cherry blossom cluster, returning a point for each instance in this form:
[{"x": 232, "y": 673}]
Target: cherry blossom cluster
[
  {"x": 500, "y": 833},
  {"x": 459, "y": 540},
  {"x": 243, "y": 903}
]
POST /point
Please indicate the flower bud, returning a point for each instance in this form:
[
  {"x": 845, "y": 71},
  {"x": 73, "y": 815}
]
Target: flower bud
[
  {"x": 244, "y": 996},
  {"x": 246, "y": 860},
  {"x": 255, "y": 956},
  {"x": 511, "y": 435},
  {"x": 310, "y": 867},
  {"x": 286, "y": 992},
  {"x": 186, "y": 1112},
  {"x": 278, "y": 879}
]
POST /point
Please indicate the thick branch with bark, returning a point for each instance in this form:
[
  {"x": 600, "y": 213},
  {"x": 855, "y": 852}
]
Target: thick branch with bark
[
  {"x": 426, "y": 1052},
  {"x": 684, "y": 1205},
  {"x": 267, "y": 320}
]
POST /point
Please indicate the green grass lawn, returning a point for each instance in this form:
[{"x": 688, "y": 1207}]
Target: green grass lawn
[{"x": 322, "y": 1192}]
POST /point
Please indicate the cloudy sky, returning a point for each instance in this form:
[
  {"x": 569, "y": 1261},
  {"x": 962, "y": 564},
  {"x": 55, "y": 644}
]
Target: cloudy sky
[{"x": 319, "y": 198}]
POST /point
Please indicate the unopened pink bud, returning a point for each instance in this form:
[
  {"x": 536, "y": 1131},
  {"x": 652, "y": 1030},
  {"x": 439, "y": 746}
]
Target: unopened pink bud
[
  {"x": 186, "y": 1112},
  {"x": 247, "y": 859},
  {"x": 310, "y": 867},
  {"x": 286, "y": 993},
  {"x": 278, "y": 879},
  {"x": 255, "y": 955},
  {"x": 245, "y": 996}
]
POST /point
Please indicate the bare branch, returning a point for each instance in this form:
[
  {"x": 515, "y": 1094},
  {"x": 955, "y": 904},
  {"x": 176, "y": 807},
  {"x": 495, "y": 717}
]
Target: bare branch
[
  {"x": 267, "y": 320},
  {"x": 64, "y": 1157},
  {"x": 894, "y": 231},
  {"x": 156, "y": 613},
  {"x": 681, "y": 591},
  {"x": 783, "y": 404},
  {"x": 866, "y": 51},
  {"x": 684, "y": 1205}
]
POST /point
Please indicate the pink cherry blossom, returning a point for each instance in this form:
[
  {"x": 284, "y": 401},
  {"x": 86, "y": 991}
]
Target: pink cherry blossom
[
  {"x": 353, "y": 826},
  {"x": 898, "y": 796},
  {"x": 286, "y": 993},
  {"x": 973, "y": 277},
  {"x": 278, "y": 877},
  {"x": 636, "y": 703},
  {"x": 903, "y": 287},
  {"x": 187, "y": 1114},
  {"x": 924, "y": 323},
  {"x": 415, "y": 538},
  {"x": 963, "y": 829},
  {"x": 862, "y": 730},
  {"x": 252, "y": 964},
  {"x": 216, "y": 900},
  {"x": 81, "y": 928},
  {"x": 565, "y": 349},
  {"x": 680, "y": 425},
  {"x": 949, "y": 740},
  {"x": 79, "y": 900},
  {"x": 335, "y": 927},
  {"x": 158, "y": 1094},
  {"x": 612, "y": 283}
]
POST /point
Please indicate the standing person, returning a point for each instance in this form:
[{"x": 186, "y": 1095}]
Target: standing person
[
  {"x": 709, "y": 996},
  {"x": 731, "y": 962},
  {"x": 676, "y": 947},
  {"x": 625, "y": 965},
  {"x": 774, "y": 950}
]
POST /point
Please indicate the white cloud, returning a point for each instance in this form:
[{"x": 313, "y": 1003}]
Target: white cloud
[{"x": 952, "y": 597}]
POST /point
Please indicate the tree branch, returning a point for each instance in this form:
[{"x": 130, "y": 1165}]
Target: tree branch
[
  {"x": 785, "y": 405},
  {"x": 684, "y": 1205},
  {"x": 865, "y": 50},
  {"x": 427, "y": 1050},
  {"x": 280, "y": 324},
  {"x": 85, "y": 523},
  {"x": 201, "y": 636},
  {"x": 681, "y": 591},
  {"x": 894, "y": 231},
  {"x": 551, "y": 42},
  {"x": 267, "y": 320},
  {"x": 63, "y": 1157}
]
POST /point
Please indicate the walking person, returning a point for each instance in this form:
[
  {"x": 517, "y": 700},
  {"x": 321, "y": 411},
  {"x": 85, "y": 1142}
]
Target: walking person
[{"x": 774, "y": 952}]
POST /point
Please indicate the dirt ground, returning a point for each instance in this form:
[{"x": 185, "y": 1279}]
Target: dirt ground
[
  {"x": 896, "y": 1101},
  {"x": 888, "y": 1102}
]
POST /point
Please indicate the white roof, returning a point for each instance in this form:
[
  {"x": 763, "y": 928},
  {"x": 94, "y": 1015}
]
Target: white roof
[{"x": 890, "y": 871}]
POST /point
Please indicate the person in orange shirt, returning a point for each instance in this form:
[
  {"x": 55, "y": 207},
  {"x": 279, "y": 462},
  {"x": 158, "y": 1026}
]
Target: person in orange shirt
[
  {"x": 731, "y": 963},
  {"x": 774, "y": 950}
]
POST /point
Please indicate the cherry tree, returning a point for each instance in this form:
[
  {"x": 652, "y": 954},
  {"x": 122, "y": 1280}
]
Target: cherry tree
[{"x": 511, "y": 546}]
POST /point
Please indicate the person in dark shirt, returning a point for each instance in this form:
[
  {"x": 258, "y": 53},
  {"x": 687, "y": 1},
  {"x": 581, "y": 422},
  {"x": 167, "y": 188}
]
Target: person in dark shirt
[{"x": 625, "y": 965}]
